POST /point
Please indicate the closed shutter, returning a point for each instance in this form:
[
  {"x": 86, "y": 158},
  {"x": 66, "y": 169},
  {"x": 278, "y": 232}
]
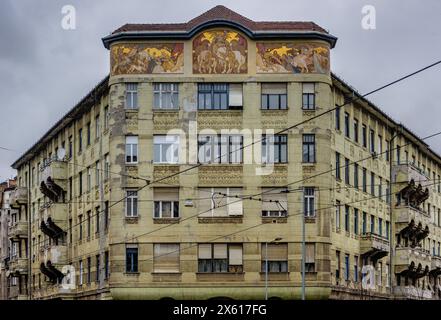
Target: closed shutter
[
  {"x": 276, "y": 252},
  {"x": 220, "y": 251},
  {"x": 166, "y": 257},
  {"x": 166, "y": 194},
  {"x": 235, "y": 255},
  {"x": 204, "y": 251},
  {"x": 310, "y": 253},
  {"x": 274, "y": 195},
  {"x": 273, "y": 88},
  {"x": 235, "y": 95},
  {"x": 308, "y": 88},
  {"x": 235, "y": 204}
]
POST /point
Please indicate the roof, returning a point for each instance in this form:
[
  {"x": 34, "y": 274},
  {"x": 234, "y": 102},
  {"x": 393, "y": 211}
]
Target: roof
[
  {"x": 221, "y": 16},
  {"x": 89, "y": 100}
]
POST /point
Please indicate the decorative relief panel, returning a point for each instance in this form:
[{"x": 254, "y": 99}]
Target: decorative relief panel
[
  {"x": 277, "y": 178},
  {"x": 220, "y": 175},
  {"x": 132, "y": 121},
  {"x": 274, "y": 119},
  {"x": 166, "y": 170},
  {"x": 166, "y": 120},
  {"x": 218, "y": 120},
  {"x": 289, "y": 57},
  {"x": 220, "y": 52},
  {"x": 148, "y": 58}
]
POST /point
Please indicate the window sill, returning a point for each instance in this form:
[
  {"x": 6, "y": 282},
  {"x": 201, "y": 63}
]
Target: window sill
[
  {"x": 131, "y": 110},
  {"x": 266, "y": 110},
  {"x": 159, "y": 110},
  {"x": 131, "y": 220},
  {"x": 274, "y": 219},
  {"x": 310, "y": 219},
  {"x": 132, "y": 274},
  {"x": 238, "y": 219},
  {"x": 166, "y": 220}
]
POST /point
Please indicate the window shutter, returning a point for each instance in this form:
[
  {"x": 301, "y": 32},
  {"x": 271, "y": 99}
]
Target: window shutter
[
  {"x": 166, "y": 258},
  {"x": 310, "y": 253},
  {"x": 275, "y": 195},
  {"x": 276, "y": 252},
  {"x": 132, "y": 140},
  {"x": 308, "y": 88},
  {"x": 235, "y": 95},
  {"x": 235, "y": 255},
  {"x": 166, "y": 194},
  {"x": 273, "y": 88},
  {"x": 204, "y": 251},
  {"x": 220, "y": 251}
]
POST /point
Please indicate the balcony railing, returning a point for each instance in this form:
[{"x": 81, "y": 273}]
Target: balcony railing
[
  {"x": 18, "y": 229},
  {"x": 413, "y": 261},
  {"x": 19, "y": 196},
  {"x": 374, "y": 246},
  {"x": 18, "y": 265}
]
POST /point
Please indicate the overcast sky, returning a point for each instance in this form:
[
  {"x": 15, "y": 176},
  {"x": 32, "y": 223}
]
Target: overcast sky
[{"x": 45, "y": 70}]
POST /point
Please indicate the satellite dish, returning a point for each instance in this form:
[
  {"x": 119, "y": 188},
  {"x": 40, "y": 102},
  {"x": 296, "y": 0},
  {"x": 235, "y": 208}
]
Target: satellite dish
[{"x": 61, "y": 153}]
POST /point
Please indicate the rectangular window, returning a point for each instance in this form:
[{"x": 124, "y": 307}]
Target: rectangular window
[
  {"x": 372, "y": 184},
  {"x": 97, "y": 271},
  {"x": 308, "y": 100},
  {"x": 347, "y": 176},
  {"x": 308, "y": 202},
  {"x": 132, "y": 149},
  {"x": 364, "y": 223},
  {"x": 355, "y": 221},
  {"x": 380, "y": 273},
  {"x": 106, "y": 265},
  {"x": 106, "y": 215},
  {"x": 97, "y": 126},
  {"x": 88, "y": 224},
  {"x": 337, "y": 118},
  {"x": 364, "y": 180},
  {"x": 166, "y": 149},
  {"x": 337, "y": 166},
  {"x": 274, "y": 203},
  {"x": 308, "y": 148},
  {"x": 213, "y": 96},
  {"x": 380, "y": 145},
  {"x": 372, "y": 140},
  {"x": 220, "y": 148},
  {"x": 106, "y": 167},
  {"x": 387, "y": 230},
  {"x": 106, "y": 117},
  {"x": 380, "y": 188},
  {"x": 399, "y": 155},
  {"x": 166, "y": 96},
  {"x": 97, "y": 219},
  {"x": 131, "y": 258},
  {"x": 89, "y": 270},
  {"x": 220, "y": 257},
  {"x": 89, "y": 179},
  {"x": 347, "y": 214},
  {"x": 364, "y": 135},
  {"x": 166, "y": 258},
  {"x": 355, "y": 268},
  {"x": 80, "y": 227},
  {"x": 224, "y": 202},
  {"x": 166, "y": 203},
  {"x": 380, "y": 227},
  {"x": 274, "y": 96},
  {"x": 356, "y": 175},
  {"x": 337, "y": 214},
  {"x": 372, "y": 224},
  {"x": 310, "y": 257},
  {"x": 347, "y": 126},
  {"x": 89, "y": 134},
  {"x": 80, "y": 182},
  {"x": 70, "y": 151},
  {"x": 387, "y": 150},
  {"x": 97, "y": 173},
  {"x": 131, "y": 203},
  {"x": 338, "y": 265},
  {"x": 80, "y": 140},
  {"x": 347, "y": 272},
  {"x": 131, "y": 96},
  {"x": 356, "y": 130},
  {"x": 275, "y": 148},
  {"x": 275, "y": 257},
  {"x": 81, "y": 271}
]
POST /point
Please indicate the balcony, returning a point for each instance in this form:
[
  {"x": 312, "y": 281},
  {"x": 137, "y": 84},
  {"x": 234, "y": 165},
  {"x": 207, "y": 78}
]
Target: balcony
[
  {"x": 18, "y": 265},
  {"x": 57, "y": 212},
  {"x": 407, "y": 172},
  {"x": 413, "y": 293},
  {"x": 435, "y": 269},
  {"x": 19, "y": 196},
  {"x": 18, "y": 229},
  {"x": 412, "y": 262},
  {"x": 374, "y": 246},
  {"x": 53, "y": 179},
  {"x": 54, "y": 258},
  {"x": 14, "y": 293}
]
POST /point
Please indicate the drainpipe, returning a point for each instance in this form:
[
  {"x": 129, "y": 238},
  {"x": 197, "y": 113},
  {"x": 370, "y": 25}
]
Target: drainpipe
[{"x": 29, "y": 247}]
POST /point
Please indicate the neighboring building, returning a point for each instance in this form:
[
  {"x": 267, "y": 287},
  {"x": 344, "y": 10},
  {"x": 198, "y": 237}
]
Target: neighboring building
[
  {"x": 191, "y": 235},
  {"x": 13, "y": 243}
]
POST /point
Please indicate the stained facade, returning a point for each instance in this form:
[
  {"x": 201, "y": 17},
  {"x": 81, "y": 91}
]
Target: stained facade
[{"x": 111, "y": 215}]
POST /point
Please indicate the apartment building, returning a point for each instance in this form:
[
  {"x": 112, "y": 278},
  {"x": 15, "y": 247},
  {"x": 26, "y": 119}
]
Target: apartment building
[{"x": 184, "y": 175}]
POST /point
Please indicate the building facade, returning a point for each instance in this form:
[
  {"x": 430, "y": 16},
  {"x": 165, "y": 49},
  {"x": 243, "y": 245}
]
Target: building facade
[{"x": 202, "y": 167}]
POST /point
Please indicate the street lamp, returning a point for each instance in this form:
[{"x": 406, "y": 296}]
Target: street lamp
[{"x": 266, "y": 264}]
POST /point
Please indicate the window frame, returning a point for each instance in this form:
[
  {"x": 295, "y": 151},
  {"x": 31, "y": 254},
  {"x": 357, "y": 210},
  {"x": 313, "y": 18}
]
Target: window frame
[{"x": 159, "y": 92}]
